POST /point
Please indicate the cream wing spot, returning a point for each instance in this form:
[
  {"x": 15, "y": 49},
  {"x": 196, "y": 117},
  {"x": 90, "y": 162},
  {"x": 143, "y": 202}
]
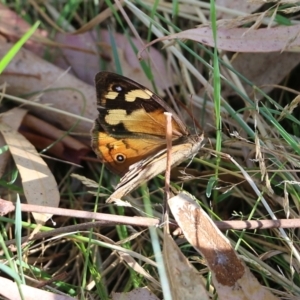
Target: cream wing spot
[
  {"x": 115, "y": 116},
  {"x": 149, "y": 93},
  {"x": 111, "y": 95},
  {"x": 143, "y": 94}
]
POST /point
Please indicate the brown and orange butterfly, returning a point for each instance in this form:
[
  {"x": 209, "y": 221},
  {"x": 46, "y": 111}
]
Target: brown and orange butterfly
[{"x": 131, "y": 126}]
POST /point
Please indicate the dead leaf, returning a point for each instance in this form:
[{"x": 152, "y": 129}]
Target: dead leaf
[
  {"x": 15, "y": 124},
  {"x": 136, "y": 294},
  {"x": 277, "y": 39},
  {"x": 10, "y": 290},
  {"x": 263, "y": 69},
  {"x": 231, "y": 277},
  {"x": 14, "y": 27},
  {"x": 240, "y": 6},
  {"x": 39, "y": 185},
  {"x": 29, "y": 74},
  {"x": 185, "y": 281},
  {"x": 81, "y": 52},
  {"x": 42, "y": 134}
]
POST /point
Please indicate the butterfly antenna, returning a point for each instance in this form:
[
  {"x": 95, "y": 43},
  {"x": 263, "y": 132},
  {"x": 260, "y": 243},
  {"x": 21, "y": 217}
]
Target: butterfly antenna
[{"x": 196, "y": 123}]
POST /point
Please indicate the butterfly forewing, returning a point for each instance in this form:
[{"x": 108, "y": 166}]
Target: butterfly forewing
[{"x": 128, "y": 109}]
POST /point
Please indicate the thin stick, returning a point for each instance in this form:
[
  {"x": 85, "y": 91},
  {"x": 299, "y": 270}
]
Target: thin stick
[
  {"x": 168, "y": 165},
  {"x": 169, "y": 154}
]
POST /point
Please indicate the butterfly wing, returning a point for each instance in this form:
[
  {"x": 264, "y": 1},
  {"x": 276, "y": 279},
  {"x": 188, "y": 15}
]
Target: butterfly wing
[
  {"x": 127, "y": 109},
  {"x": 155, "y": 165},
  {"x": 131, "y": 125},
  {"x": 119, "y": 154}
]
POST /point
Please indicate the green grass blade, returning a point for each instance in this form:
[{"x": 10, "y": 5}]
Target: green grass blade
[{"x": 17, "y": 46}]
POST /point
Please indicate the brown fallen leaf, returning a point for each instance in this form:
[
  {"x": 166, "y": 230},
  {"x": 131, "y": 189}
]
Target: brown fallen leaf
[
  {"x": 38, "y": 182},
  {"x": 42, "y": 134},
  {"x": 29, "y": 74},
  {"x": 185, "y": 281},
  {"x": 231, "y": 277},
  {"x": 80, "y": 52},
  {"x": 235, "y": 6},
  {"x": 263, "y": 69},
  {"x": 13, "y": 27},
  {"x": 10, "y": 290},
  {"x": 15, "y": 123},
  {"x": 57, "y": 148},
  {"x": 277, "y": 39},
  {"x": 136, "y": 294}
]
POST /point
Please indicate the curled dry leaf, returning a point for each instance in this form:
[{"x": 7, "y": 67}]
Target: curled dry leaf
[
  {"x": 236, "y": 6},
  {"x": 42, "y": 134},
  {"x": 29, "y": 74},
  {"x": 11, "y": 290},
  {"x": 81, "y": 52},
  {"x": 282, "y": 38},
  {"x": 39, "y": 185},
  {"x": 14, "y": 27},
  {"x": 264, "y": 69},
  {"x": 14, "y": 123},
  {"x": 231, "y": 277},
  {"x": 136, "y": 294},
  {"x": 184, "y": 280}
]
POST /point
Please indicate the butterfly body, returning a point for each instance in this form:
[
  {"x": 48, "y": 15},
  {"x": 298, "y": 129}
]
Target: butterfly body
[{"x": 131, "y": 125}]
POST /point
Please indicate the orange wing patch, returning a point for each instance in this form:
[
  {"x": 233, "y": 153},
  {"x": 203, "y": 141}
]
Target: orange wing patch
[{"x": 120, "y": 154}]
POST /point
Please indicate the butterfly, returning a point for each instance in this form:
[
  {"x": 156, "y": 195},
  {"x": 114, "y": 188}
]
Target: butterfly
[{"x": 130, "y": 131}]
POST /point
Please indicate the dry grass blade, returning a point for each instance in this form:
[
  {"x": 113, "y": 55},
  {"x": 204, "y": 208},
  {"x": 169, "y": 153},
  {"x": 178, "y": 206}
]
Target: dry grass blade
[
  {"x": 138, "y": 268},
  {"x": 6, "y": 207}
]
